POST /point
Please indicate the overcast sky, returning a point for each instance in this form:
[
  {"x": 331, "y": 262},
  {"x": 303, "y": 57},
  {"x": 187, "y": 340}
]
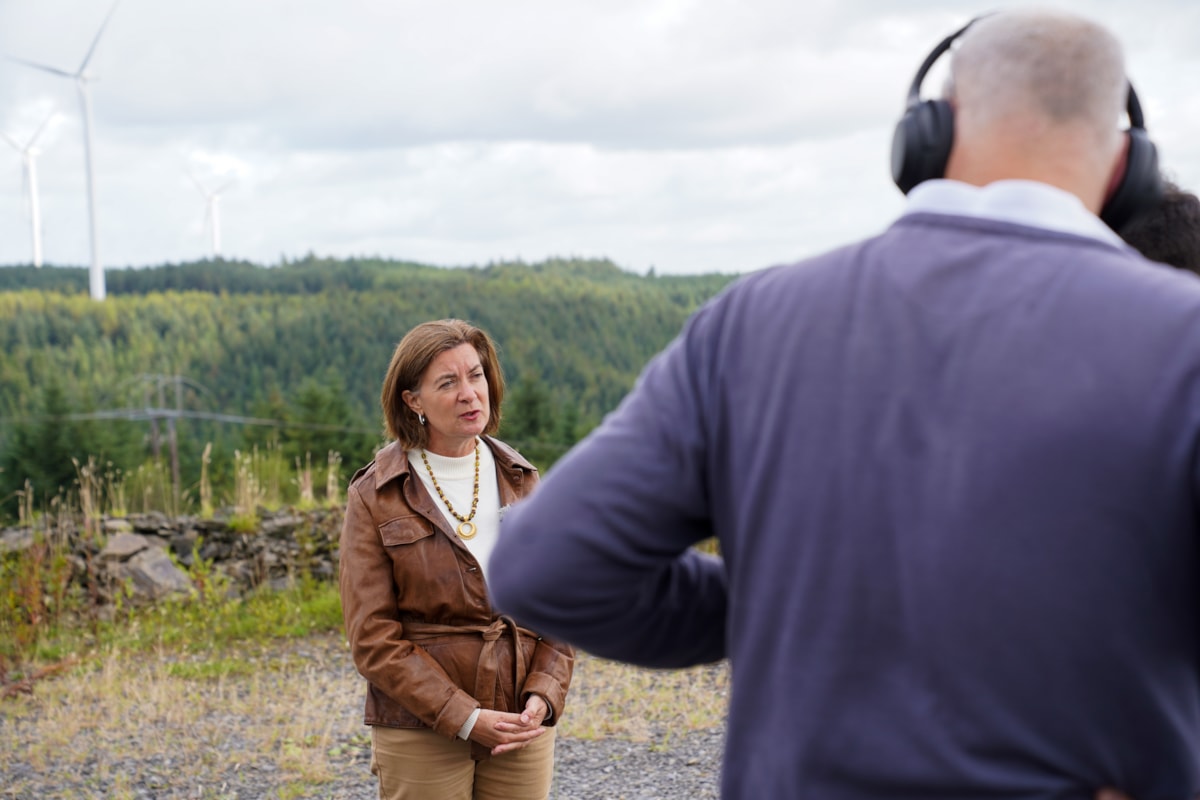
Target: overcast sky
[{"x": 689, "y": 136}]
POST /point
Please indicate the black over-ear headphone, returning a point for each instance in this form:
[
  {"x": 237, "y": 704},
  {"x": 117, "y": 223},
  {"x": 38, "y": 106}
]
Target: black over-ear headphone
[{"x": 921, "y": 147}]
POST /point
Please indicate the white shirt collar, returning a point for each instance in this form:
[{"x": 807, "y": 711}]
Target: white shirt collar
[{"x": 1037, "y": 205}]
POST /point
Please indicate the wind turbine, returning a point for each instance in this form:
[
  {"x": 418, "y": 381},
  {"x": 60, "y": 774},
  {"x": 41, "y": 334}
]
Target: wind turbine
[
  {"x": 212, "y": 214},
  {"x": 29, "y": 156},
  {"x": 81, "y": 78}
]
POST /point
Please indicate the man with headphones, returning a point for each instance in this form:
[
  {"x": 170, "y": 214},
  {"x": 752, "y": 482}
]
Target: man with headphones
[{"x": 953, "y": 470}]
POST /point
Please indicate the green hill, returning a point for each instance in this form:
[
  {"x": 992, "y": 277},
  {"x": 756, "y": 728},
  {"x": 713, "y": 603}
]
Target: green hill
[{"x": 292, "y": 357}]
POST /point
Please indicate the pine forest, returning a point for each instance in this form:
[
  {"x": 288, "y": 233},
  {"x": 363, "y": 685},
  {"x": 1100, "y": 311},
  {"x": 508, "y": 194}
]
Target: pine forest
[{"x": 190, "y": 377}]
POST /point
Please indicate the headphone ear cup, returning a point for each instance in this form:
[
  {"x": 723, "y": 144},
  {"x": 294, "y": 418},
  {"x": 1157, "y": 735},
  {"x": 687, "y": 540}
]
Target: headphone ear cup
[
  {"x": 921, "y": 143},
  {"x": 1140, "y": 188}
]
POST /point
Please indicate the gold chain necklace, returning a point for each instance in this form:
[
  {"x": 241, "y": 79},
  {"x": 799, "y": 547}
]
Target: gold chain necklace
[{"x": 466, "y": 529}]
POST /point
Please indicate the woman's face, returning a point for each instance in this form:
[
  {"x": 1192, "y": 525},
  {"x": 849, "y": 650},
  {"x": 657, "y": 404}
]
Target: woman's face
[{"x": 453, "y": 396}]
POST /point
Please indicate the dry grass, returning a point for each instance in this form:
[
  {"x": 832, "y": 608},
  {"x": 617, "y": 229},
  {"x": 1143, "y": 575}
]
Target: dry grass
[
  {"x": 289, "y": 713},
  {"x": 611, "y": 699},
  {"x": 146, "y": 719}
]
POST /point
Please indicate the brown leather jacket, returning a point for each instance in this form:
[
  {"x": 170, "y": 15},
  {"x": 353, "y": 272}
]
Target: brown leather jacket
[{"x": 421, "y": 628}]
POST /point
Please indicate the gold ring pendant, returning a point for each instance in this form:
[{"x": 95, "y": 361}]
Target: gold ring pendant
[{"x": 467, "y": 530}]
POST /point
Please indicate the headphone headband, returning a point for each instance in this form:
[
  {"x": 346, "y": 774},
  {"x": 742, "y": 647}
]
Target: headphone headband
[
  {"x": 914, "y": 91},
  {"x": 1134, "y": 109},
  {"x": 924, "y": 136}
]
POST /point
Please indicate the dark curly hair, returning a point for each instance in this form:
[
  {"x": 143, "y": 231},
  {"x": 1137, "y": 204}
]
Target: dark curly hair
[{"x": 1169, "y": 233}]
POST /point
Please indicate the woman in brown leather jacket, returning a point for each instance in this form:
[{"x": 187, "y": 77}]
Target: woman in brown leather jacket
[{"x": 460, "y": 699}]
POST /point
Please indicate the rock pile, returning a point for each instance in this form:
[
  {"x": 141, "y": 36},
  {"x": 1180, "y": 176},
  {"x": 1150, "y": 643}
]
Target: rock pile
[{"x": 150, "y": 556}]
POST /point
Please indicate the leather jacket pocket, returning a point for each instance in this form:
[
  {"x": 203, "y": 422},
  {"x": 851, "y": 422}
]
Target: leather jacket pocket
[
  {"x": 404, "y": 530},
  {"x": 426, "y": 575}
]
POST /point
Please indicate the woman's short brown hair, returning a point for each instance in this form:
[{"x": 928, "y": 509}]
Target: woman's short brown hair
[{"x": 416, "y": 351}]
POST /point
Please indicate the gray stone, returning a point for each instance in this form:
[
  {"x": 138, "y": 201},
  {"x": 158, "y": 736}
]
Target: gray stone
[
  {"x": 150, "y": 522},
  {"x": 15, "y": 540},
  {"x": 79, "y": 567},
  {"x": 215, "y": 550},
  {"x": 115, "y": 526},
  {"x": 280, "y": 526},
  {"x": 183, "y": 545},
  {"x": 161, "y": 540},
  {"x": 123, "y": 545},
  {"x": 155, "y": 574}
]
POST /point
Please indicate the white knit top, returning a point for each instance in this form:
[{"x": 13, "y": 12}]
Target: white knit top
[{"x": 456, "y": 476}]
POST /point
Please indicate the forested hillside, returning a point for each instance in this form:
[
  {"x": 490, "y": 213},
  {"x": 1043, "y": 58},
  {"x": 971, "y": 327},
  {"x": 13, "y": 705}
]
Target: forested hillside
[{"x": 292, "y": 357}]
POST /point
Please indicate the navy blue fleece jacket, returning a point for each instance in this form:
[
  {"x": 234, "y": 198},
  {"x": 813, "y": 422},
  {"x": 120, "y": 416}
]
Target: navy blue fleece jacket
[{"x": 953, "y": 474}]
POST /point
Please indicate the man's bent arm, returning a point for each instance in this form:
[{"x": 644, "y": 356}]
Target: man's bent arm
[{"x": 600, "y": 555}]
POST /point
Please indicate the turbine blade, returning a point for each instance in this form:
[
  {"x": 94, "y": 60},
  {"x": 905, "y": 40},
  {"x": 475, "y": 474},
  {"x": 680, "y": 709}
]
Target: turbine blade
[
  {"x": 196, "y": 181},
  {"x": 96, "y": 41},
  {"x": 43, "y": 67},
  {"x": 12, "y": 141},
  {"x": 41, "y": 128},
  {"x": 225, "y": 185}
]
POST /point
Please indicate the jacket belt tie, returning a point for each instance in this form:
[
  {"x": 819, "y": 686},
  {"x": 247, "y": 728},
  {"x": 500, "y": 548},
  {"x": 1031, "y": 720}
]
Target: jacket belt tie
[{"x": 487, "y": 671}]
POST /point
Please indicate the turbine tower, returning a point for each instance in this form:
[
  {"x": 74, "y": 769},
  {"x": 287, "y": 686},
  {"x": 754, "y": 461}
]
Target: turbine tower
[
  {"x": 212, "y": 214},
  {"x": 81, "y": 78},
  {"x": 29, "y": 156}
]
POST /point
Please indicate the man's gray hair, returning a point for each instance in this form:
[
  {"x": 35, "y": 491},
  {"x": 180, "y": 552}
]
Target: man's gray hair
[{"x": 1056, "y": 66}]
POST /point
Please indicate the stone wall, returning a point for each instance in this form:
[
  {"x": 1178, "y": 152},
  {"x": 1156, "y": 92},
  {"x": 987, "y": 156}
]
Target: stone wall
[{"x": 150, "y": 556}]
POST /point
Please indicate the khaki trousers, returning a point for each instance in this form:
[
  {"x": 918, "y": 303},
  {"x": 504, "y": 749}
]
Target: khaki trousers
[{"x": 418, "y": 764}]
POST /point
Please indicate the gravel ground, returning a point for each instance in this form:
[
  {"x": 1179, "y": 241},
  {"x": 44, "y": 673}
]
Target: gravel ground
[
  {"x": 604, "y": 769},
  {"x": 601, "y": 769},
  {"x": 597, "y": 769},
  {"x": 128, "y": 760},
  {"x": 611, "y": 769}
]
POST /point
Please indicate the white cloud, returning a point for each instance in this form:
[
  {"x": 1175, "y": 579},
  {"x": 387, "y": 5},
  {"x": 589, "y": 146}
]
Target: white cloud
[{"x": 690, "y": 136}]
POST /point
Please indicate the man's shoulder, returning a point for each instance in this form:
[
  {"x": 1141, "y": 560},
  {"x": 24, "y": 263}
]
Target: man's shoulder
[
  {"x": 937, "y": 239},
  {"x": 811, "y": 268},
  {"x": 783, "y": 289},
  {"x": 895, "y": 242},
  {"x": 920, "y": 250}
]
